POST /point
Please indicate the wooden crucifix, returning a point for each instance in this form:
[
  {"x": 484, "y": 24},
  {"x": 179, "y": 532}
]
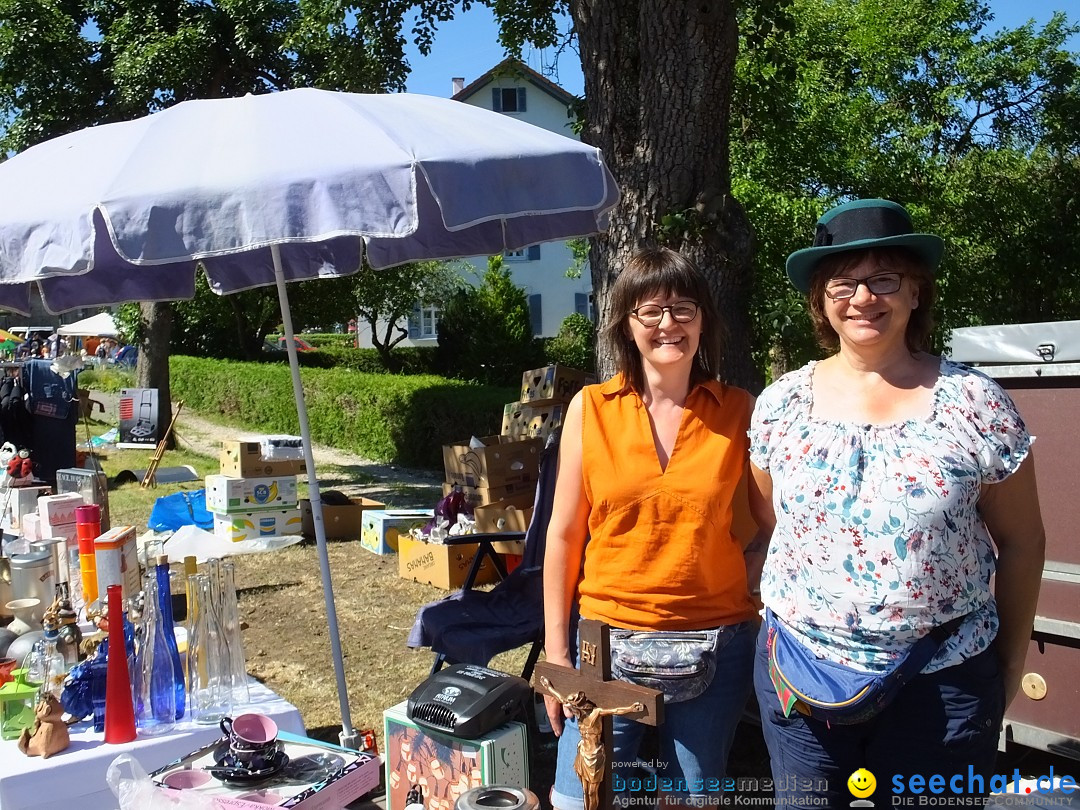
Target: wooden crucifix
[{"x": 594, "y": 699}]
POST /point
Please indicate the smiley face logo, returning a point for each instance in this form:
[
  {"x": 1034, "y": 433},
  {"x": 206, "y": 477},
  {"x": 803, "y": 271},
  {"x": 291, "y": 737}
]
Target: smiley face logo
[{"x": 861, "y": 783}]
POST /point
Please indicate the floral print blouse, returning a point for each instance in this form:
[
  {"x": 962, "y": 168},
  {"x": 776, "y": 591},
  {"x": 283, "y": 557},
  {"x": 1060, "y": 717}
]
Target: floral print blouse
[{"x": 878, "y": 537}]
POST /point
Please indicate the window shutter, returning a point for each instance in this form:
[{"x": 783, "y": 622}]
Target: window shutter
[
  {"x": 534, "y": 253},
  {"x": 496, "y": 99},
  {"x": 536, "y": 319},
  {"x": 521, "y": 99},
  {"x": 581, "y": 304},
  {"x": 414, "y": 323}
]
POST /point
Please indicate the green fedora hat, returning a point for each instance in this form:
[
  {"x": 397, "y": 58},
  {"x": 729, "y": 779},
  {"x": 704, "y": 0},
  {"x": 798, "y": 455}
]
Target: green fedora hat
[{"x": 858, "y": 225}]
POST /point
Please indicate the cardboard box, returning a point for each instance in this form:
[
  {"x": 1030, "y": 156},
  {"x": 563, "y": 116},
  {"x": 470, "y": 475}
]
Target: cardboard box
[
  {"x": 381, "y": 529},
  {"x": 93, "y": 485},
  {"x": 440, "y": 565},
  {"x": 504, "y": 516},
  {"x": 552, "y": 384},
  {"x": 58, "y": 509},
  {"x": 482, "y": 496},
  {"x": 532, "y": 421},
  {"x": 449, "y": 766},
  {"x": 358, "y": 775},
  {"x": 244, "y": 460},
  {"x": 252, "y": 525},
  {"x": 500, "y": 461},
  {"x": 341, "y": 522},
  {"x": 22, "y": 501},
  {"x": 226, "y": 495}
]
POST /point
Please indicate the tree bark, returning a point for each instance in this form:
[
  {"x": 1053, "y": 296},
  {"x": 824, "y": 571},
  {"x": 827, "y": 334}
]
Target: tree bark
[
  {"x": 658, "y": 84},
  {"x": 152, "y": 370}
]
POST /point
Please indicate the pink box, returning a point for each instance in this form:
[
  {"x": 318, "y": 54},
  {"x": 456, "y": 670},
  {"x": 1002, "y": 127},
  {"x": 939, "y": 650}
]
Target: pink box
[
  {"x": 358, "y": 774},
  {"x": 59, "y": 509},
  {"x": 31, "y": 527}
]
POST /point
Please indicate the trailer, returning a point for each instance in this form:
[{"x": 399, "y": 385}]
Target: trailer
[{"x": 1038, "y": 364}]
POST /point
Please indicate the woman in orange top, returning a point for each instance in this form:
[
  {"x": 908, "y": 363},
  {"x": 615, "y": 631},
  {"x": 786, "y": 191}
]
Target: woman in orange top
[{"x": 641, "y": 527}]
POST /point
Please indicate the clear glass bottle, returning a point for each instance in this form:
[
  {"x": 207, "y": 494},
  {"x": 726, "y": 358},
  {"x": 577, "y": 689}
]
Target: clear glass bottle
[
  {"x": 164, "y": 601},
  {"x": 210, "y": 682},
  {"x": 155, "y": 691},
  {"x": 230, "y": 616}
]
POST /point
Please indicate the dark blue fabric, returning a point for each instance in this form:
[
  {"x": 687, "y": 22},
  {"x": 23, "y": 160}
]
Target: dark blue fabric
[
  {"x": 940, "y": 723},
  {"x": 50, "y": 394}
]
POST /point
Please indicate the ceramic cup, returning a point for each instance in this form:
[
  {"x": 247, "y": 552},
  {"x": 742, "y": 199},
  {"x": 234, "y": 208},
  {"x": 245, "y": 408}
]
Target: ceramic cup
[
  {"x": 185, "y": 780},
  {"x": 252, "y": 740}
]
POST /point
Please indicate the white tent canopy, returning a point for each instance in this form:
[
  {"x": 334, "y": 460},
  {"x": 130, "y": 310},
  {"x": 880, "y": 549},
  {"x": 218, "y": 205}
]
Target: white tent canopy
[{"x": 100, "y": 325}]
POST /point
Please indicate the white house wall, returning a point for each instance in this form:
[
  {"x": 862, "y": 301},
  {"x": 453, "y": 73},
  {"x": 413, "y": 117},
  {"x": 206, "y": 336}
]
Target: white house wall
[{"x": 547, "y": 275}]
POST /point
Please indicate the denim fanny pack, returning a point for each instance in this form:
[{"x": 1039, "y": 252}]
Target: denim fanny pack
[
  {"x": 679, "y": 663},
  {"x": 832, "y": 692}
]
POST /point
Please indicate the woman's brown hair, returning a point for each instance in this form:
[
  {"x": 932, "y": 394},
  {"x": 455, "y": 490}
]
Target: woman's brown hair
[
  {"x": 888, "y": 259},
  {"x": 652, "y": 271}
]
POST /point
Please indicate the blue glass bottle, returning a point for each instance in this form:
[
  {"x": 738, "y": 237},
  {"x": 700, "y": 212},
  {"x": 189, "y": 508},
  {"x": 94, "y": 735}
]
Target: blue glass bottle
[{"x": 165, "y": 604}]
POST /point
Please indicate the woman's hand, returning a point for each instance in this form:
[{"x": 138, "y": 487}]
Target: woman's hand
[{"x": 556, "y": 712}]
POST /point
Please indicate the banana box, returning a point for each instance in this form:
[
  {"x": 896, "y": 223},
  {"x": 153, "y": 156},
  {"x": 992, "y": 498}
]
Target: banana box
[
  {"x": 253, "y": 525},
  {"x": 229, "y": 495}
]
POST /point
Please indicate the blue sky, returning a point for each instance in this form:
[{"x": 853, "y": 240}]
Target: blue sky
[{"x": 468, "y": 46}]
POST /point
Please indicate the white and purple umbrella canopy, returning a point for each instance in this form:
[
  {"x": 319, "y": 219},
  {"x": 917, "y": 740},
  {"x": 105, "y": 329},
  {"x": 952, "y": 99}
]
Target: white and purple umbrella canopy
[{"x": 281, "y": 187}]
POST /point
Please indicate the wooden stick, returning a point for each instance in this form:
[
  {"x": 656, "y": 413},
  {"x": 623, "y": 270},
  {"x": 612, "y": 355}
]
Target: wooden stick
[{"x": 149, "y": 476}]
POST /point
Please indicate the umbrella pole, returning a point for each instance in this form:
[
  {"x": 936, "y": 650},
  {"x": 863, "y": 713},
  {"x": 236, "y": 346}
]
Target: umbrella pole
[{"x": 348, "y": 735}]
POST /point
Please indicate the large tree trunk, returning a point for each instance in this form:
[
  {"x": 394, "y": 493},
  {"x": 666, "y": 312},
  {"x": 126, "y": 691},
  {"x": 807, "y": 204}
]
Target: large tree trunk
[
  {"x": 152, "y": 370},
  {"x": 658, "y": 82}
]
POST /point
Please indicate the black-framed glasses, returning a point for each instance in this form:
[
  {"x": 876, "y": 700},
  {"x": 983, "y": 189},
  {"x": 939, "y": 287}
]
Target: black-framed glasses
[
  {"x": 840, "y": 289},
  {"x": 652, "y": 314}
]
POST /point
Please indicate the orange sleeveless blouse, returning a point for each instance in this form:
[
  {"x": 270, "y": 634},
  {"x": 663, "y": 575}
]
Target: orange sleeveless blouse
[{"x": 661, "y": 553}]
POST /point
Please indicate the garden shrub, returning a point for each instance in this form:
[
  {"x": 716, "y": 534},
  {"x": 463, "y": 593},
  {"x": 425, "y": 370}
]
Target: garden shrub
[
  {"x": 575, "y": 345},
  {"x": 384, "y": 417}
]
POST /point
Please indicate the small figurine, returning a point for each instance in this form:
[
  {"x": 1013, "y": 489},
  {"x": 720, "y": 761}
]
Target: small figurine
[
  {"x": 19, "y": 468},
  {"x": 49, "y": 734}
]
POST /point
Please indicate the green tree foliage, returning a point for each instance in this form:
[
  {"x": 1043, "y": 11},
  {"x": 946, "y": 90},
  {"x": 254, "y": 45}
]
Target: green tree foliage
[
  {"x": 385, "y": 298},
  {"x": 485, "y": 332},
  {"x": 975, "y": 130},
  {"x": 575, "y": 345}
]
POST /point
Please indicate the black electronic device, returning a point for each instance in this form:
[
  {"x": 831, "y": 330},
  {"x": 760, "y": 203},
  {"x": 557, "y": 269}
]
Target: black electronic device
[{"x": 465, "y": 700}]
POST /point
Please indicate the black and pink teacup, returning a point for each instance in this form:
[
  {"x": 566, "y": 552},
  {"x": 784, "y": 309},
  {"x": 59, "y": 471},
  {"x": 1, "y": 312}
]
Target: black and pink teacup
[{"x": 253, "y": 742}]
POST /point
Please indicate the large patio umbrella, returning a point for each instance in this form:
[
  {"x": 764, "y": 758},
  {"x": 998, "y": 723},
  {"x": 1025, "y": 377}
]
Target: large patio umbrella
[{"x": 283, "y": 187}]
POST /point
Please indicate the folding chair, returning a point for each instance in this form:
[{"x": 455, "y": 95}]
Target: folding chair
[{"x": 471, "y": 626}]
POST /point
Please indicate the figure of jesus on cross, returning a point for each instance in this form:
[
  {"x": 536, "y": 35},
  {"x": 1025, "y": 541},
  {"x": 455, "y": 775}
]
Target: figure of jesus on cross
[{"x": 593, "y": 699}]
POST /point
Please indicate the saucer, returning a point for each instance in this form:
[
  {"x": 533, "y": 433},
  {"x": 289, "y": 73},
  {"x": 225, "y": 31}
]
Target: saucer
[{"x": 227, "y": 770}]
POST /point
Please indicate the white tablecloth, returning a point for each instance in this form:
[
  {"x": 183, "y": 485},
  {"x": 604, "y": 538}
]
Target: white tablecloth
[{"x": 75, "y": 779}]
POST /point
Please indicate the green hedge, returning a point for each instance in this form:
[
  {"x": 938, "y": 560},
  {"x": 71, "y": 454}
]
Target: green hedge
[{"x": 384, "y": 417}]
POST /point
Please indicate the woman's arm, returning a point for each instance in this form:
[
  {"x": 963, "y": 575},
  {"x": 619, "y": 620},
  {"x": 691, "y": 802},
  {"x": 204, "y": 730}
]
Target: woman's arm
[
  {"x": 566, "y": 536},
  {"x": 1010, "y": 510},
  {"x": 759, "y": 485}
]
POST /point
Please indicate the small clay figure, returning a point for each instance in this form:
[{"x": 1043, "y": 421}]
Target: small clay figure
[{"x": 49, "y": 734}]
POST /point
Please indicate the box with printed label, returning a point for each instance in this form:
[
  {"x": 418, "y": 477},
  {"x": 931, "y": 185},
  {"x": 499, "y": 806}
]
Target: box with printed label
[
  {"x": 510, "y": 515},
  {"x": 93, "y": 485},
  {"x": 227, "y": 495},
  {"x": 245, "y": 460},
  {"x": 59, "y": 509},
  {"x": 342, "y": 521},
  {"x": 444, "y": 566},
  {"x": 532, "y": 421},
  {"x": 117, "y": 561},
  {"x": 494, "y": 461},
  {"x": 380, "y": 529},
  {"x": 449, "y": 766},
  {"x": 552, "y": 384},
  {"x": 253, "y": 525},
  {"x": 481, "y": 496}
]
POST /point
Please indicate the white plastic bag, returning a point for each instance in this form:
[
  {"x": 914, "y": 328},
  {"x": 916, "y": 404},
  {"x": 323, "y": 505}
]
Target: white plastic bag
[{"x": 138, "y": 792}]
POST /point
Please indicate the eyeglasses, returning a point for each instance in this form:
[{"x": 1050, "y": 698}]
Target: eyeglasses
[
  {"x": 840, "y": 289},
  {"x": 651, "y": 314}
]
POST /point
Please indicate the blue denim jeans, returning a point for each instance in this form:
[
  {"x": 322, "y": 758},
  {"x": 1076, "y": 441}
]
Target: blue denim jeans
[
  {"x": 940, "y": 723},
  {"x": 695, "y": 737}
]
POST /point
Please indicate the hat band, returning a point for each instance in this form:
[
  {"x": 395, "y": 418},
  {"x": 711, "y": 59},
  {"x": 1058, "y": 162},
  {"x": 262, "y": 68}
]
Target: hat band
[{"x": 858, "y": 224}]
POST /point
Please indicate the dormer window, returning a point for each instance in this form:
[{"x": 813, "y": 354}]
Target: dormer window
[{"x": 508, "y": 99}]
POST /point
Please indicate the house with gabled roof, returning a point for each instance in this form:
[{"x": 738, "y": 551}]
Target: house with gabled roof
[{"x": 513, "y": 88}]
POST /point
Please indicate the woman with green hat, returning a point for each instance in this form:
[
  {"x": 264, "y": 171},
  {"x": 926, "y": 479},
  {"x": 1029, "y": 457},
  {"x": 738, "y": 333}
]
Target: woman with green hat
[{"x": 896, "y": 482}]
